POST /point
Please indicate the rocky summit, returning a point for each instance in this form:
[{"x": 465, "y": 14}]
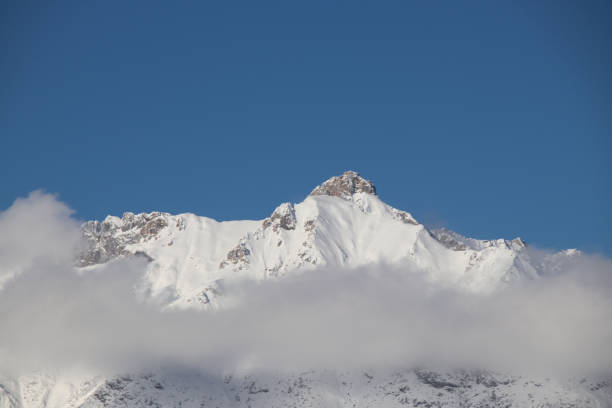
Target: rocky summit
[{"x": 345, "y": 186}]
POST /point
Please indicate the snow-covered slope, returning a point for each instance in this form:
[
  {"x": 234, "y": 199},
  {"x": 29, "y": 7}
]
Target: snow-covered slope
[
  {"x": 342, "y": 223},
  {"x": 312, "y": 389},
  {"x": 184, "y": 250}
]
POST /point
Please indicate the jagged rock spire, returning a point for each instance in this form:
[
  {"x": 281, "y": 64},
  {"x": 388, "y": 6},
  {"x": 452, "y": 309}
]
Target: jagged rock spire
[{"x": 345, "y": 186}]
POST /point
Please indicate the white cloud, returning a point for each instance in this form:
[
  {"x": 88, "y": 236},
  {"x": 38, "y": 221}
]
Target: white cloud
[{"x": 37, "y": 229}]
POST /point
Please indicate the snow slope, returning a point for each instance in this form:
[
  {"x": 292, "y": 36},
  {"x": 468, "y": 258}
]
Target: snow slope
[{"x": 367, "y": 388}]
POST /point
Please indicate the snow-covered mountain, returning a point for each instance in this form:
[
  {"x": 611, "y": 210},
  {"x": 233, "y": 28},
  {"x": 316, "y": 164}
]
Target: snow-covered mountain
[
  {"x": 312, "y": 389},
  {"x": 342, "y": 223}
]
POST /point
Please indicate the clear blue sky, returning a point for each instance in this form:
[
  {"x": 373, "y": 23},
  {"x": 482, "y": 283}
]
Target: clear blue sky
[{"x": 491, "y": 118}]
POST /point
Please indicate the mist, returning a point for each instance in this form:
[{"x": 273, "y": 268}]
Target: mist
[{"x": 55, "y": 316}]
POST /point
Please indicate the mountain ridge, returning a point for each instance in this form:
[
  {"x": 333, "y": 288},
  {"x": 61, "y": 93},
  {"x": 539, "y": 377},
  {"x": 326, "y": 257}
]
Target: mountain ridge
[{"x": 341, "y": 223}]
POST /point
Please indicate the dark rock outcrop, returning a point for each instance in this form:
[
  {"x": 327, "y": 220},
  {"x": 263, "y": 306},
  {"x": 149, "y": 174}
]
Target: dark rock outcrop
[
  {"x": 345, "y": 186},
  {"x": 108, "y": 239}
]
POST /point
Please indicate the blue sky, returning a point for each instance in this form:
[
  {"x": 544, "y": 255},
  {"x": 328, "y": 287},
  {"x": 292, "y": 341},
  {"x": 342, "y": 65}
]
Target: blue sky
[{"x": 490, "y": 118}]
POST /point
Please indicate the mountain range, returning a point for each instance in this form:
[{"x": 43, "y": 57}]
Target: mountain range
[{"x": 342, "y": 224}]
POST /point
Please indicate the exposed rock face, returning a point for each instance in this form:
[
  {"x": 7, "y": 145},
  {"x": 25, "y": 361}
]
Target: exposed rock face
[
  {"x": 457, "y": 242},
  {"x": 517, "y": 243},
  {"x": 345, "y": 186},
  {"x": 405, "y": 217},
  {"x": 283, "y": 217},
  {"x": 449, "y": 239},
  {"x": 309, "y": 225},
  {"x": 151, "y": 228},
  {"x": 239, "y": 254},
  {"x": 108, "y": 239}
]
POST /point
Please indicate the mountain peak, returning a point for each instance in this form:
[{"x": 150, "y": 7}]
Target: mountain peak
[{"x": 344, "y": 186}]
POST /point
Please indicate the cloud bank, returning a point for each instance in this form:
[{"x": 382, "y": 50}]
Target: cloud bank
[
  {"x": 36, "y": 232},
  {"x": 53, "y": 316}
]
